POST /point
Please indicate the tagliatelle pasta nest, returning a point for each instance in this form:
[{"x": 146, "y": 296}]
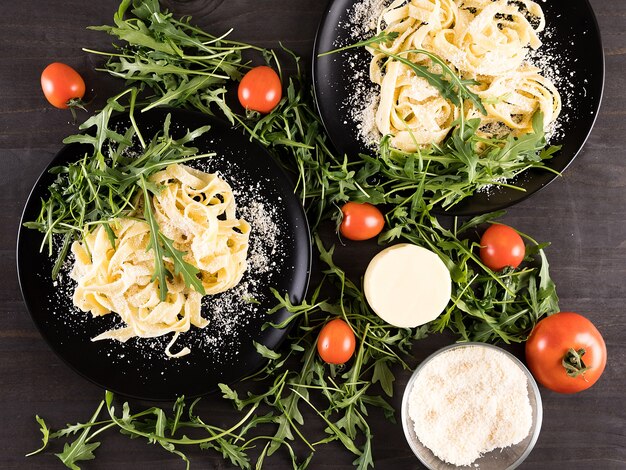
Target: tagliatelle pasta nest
[
  {"x": 196, "y": 210},
  {"x": 483, "y": 40}
]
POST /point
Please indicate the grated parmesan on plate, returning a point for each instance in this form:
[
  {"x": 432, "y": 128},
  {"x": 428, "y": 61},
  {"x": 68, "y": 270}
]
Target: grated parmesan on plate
[{"x": 470, "y": 400}]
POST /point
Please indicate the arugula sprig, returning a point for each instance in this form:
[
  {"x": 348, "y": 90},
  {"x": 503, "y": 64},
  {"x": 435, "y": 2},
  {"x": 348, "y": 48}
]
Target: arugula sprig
[
  {"x": 109, "y": 183},
  {"x": 447, "y": 82},
  {"x": 164, "y": 248},
  {"x": 381, "y": 37},
  {"x": 486, "y": 306},
  {"x": 450, "y": 85},
  {"x": 153, "y": 424},
  {"x": 183, "y": 65}
]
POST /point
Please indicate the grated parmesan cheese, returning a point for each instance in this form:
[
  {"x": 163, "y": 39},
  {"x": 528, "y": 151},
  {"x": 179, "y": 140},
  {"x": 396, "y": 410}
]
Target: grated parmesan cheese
[
  {"x": 468, "y": 401},
  {"x": 364, "y": 17}
]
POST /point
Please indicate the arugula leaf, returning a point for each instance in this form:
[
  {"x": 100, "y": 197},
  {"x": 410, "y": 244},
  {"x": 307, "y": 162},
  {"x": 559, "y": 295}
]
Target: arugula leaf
[
  {"x": 230, "y": 451},
  {"x": 383, "y": 374},
  {"x": 76, "y": 452},
  {"x": 230, "y": 394},
  {"x": 265, "y": 351},
  {"x": 101, "y": 122},
  {"x": 365, "y": 460},
  {"x": 449, "y": 84},
  {"x": 45, "y": 431},
  {"x": 80, "y": 449},
  {"x": 549, "y": 301},
  {"x": 160, "y": 273},
  {"x": 188, "y": 270}
]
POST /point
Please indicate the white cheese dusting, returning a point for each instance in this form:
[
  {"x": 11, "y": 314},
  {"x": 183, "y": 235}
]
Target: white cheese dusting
[{"x": 468, "y": 401}]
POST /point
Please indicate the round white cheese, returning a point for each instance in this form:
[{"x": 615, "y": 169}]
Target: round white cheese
[{"x": 407, "y": 285}]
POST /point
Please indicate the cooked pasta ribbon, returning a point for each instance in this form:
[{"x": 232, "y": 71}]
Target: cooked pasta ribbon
[
  {"x": 483, "y": 40},
  {"x": 196, "y": 210}
]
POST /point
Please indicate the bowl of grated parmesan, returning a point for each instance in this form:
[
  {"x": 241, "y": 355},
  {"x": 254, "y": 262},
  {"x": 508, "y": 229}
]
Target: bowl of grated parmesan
[{"x": 471, "y": 404}]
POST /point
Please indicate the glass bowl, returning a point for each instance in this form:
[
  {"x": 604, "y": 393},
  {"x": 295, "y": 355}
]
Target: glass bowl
[{"x": 498, "y": 459}]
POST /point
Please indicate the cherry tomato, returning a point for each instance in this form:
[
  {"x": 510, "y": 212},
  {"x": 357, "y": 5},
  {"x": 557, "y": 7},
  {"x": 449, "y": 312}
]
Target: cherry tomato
[
  {"x": 62, "y": 85},
  {"x": 260, "y": 89},
  {"x": 560, "y": 340},
  {"x": 501, "y": 246},
  {"x": 361, "y": 221},
  {"x": 336, "y": 342}
]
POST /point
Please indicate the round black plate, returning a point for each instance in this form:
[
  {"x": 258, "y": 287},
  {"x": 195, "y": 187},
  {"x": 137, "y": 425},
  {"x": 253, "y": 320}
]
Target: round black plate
[
  {"x": 574, "y": 39},
  {"x": 224, "y": 350}
]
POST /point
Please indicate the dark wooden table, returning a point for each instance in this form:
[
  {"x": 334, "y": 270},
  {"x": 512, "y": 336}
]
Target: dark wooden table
[{"x": 583, "y": 214}]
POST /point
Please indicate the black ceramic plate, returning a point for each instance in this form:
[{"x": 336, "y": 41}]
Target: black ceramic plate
[
  {"x": 574, "y": 39},
  {"x": 224, "y": 350}
]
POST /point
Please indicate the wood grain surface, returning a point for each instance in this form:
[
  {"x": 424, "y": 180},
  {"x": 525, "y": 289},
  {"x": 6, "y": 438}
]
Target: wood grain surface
[{"x": 583, "y": 214}]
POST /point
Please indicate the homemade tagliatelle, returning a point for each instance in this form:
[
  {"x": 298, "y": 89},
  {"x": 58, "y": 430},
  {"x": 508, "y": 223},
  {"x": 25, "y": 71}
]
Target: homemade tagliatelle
[
  {"x": 196, "y": 210},
  {"x": 482, "y": 40}
]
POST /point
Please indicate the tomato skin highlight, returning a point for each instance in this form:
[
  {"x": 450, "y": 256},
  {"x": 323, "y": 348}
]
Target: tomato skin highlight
[
  {"x": 501, "y": 246},
  {"x": 62, "y": 85},
  {"x": 336, "y": 342},
  {"x": 260, "y": 89},
  {"x": 361, "y": 221},
  {"x": 550, "y": 341}
]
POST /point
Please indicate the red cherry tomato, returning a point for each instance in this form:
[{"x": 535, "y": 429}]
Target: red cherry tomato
[
  {"x": 566, "y": 336},
  {"x": 62, "y": 85},
  {"x": 336, "y": 342},
  {"x": 501, "y": 246},
  {"x": 361, "y": 221},
  {"x": 260, "y": 89}
]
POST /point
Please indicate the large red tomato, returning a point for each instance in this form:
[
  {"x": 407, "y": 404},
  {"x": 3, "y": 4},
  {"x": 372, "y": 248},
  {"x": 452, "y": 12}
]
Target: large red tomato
[
  {"x": 361, "y": 221},
  {"x": 501, "y": 246},
  {"x": 566, "y": 352},
  {"x": 336, "y": 342}
]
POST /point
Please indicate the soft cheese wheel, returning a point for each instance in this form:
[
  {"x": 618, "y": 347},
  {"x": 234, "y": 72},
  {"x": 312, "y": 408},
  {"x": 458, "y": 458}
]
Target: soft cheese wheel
[{"x": 407, "y": 285}]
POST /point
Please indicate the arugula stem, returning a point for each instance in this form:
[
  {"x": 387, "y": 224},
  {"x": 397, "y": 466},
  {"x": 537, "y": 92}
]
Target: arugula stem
[
  {"x": 131, "y": 114},
  {"x": 186, "y": 441}
]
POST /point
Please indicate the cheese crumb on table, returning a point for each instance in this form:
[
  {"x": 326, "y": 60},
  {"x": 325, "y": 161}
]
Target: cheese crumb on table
[{"x": 468, "y": 401}]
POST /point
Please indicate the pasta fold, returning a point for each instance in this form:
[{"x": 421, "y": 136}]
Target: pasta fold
[{"x": 196, "y": 210}]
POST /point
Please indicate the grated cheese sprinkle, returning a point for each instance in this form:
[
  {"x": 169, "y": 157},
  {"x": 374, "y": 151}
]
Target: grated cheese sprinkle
[{"x": 468, "y": 401}]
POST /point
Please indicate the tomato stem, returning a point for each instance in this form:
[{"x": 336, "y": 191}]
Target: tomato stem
[
  {"x": 73, "y": 104},
  {"x": 573, "y": 363},
  {"x": 77, "y": 103}
]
